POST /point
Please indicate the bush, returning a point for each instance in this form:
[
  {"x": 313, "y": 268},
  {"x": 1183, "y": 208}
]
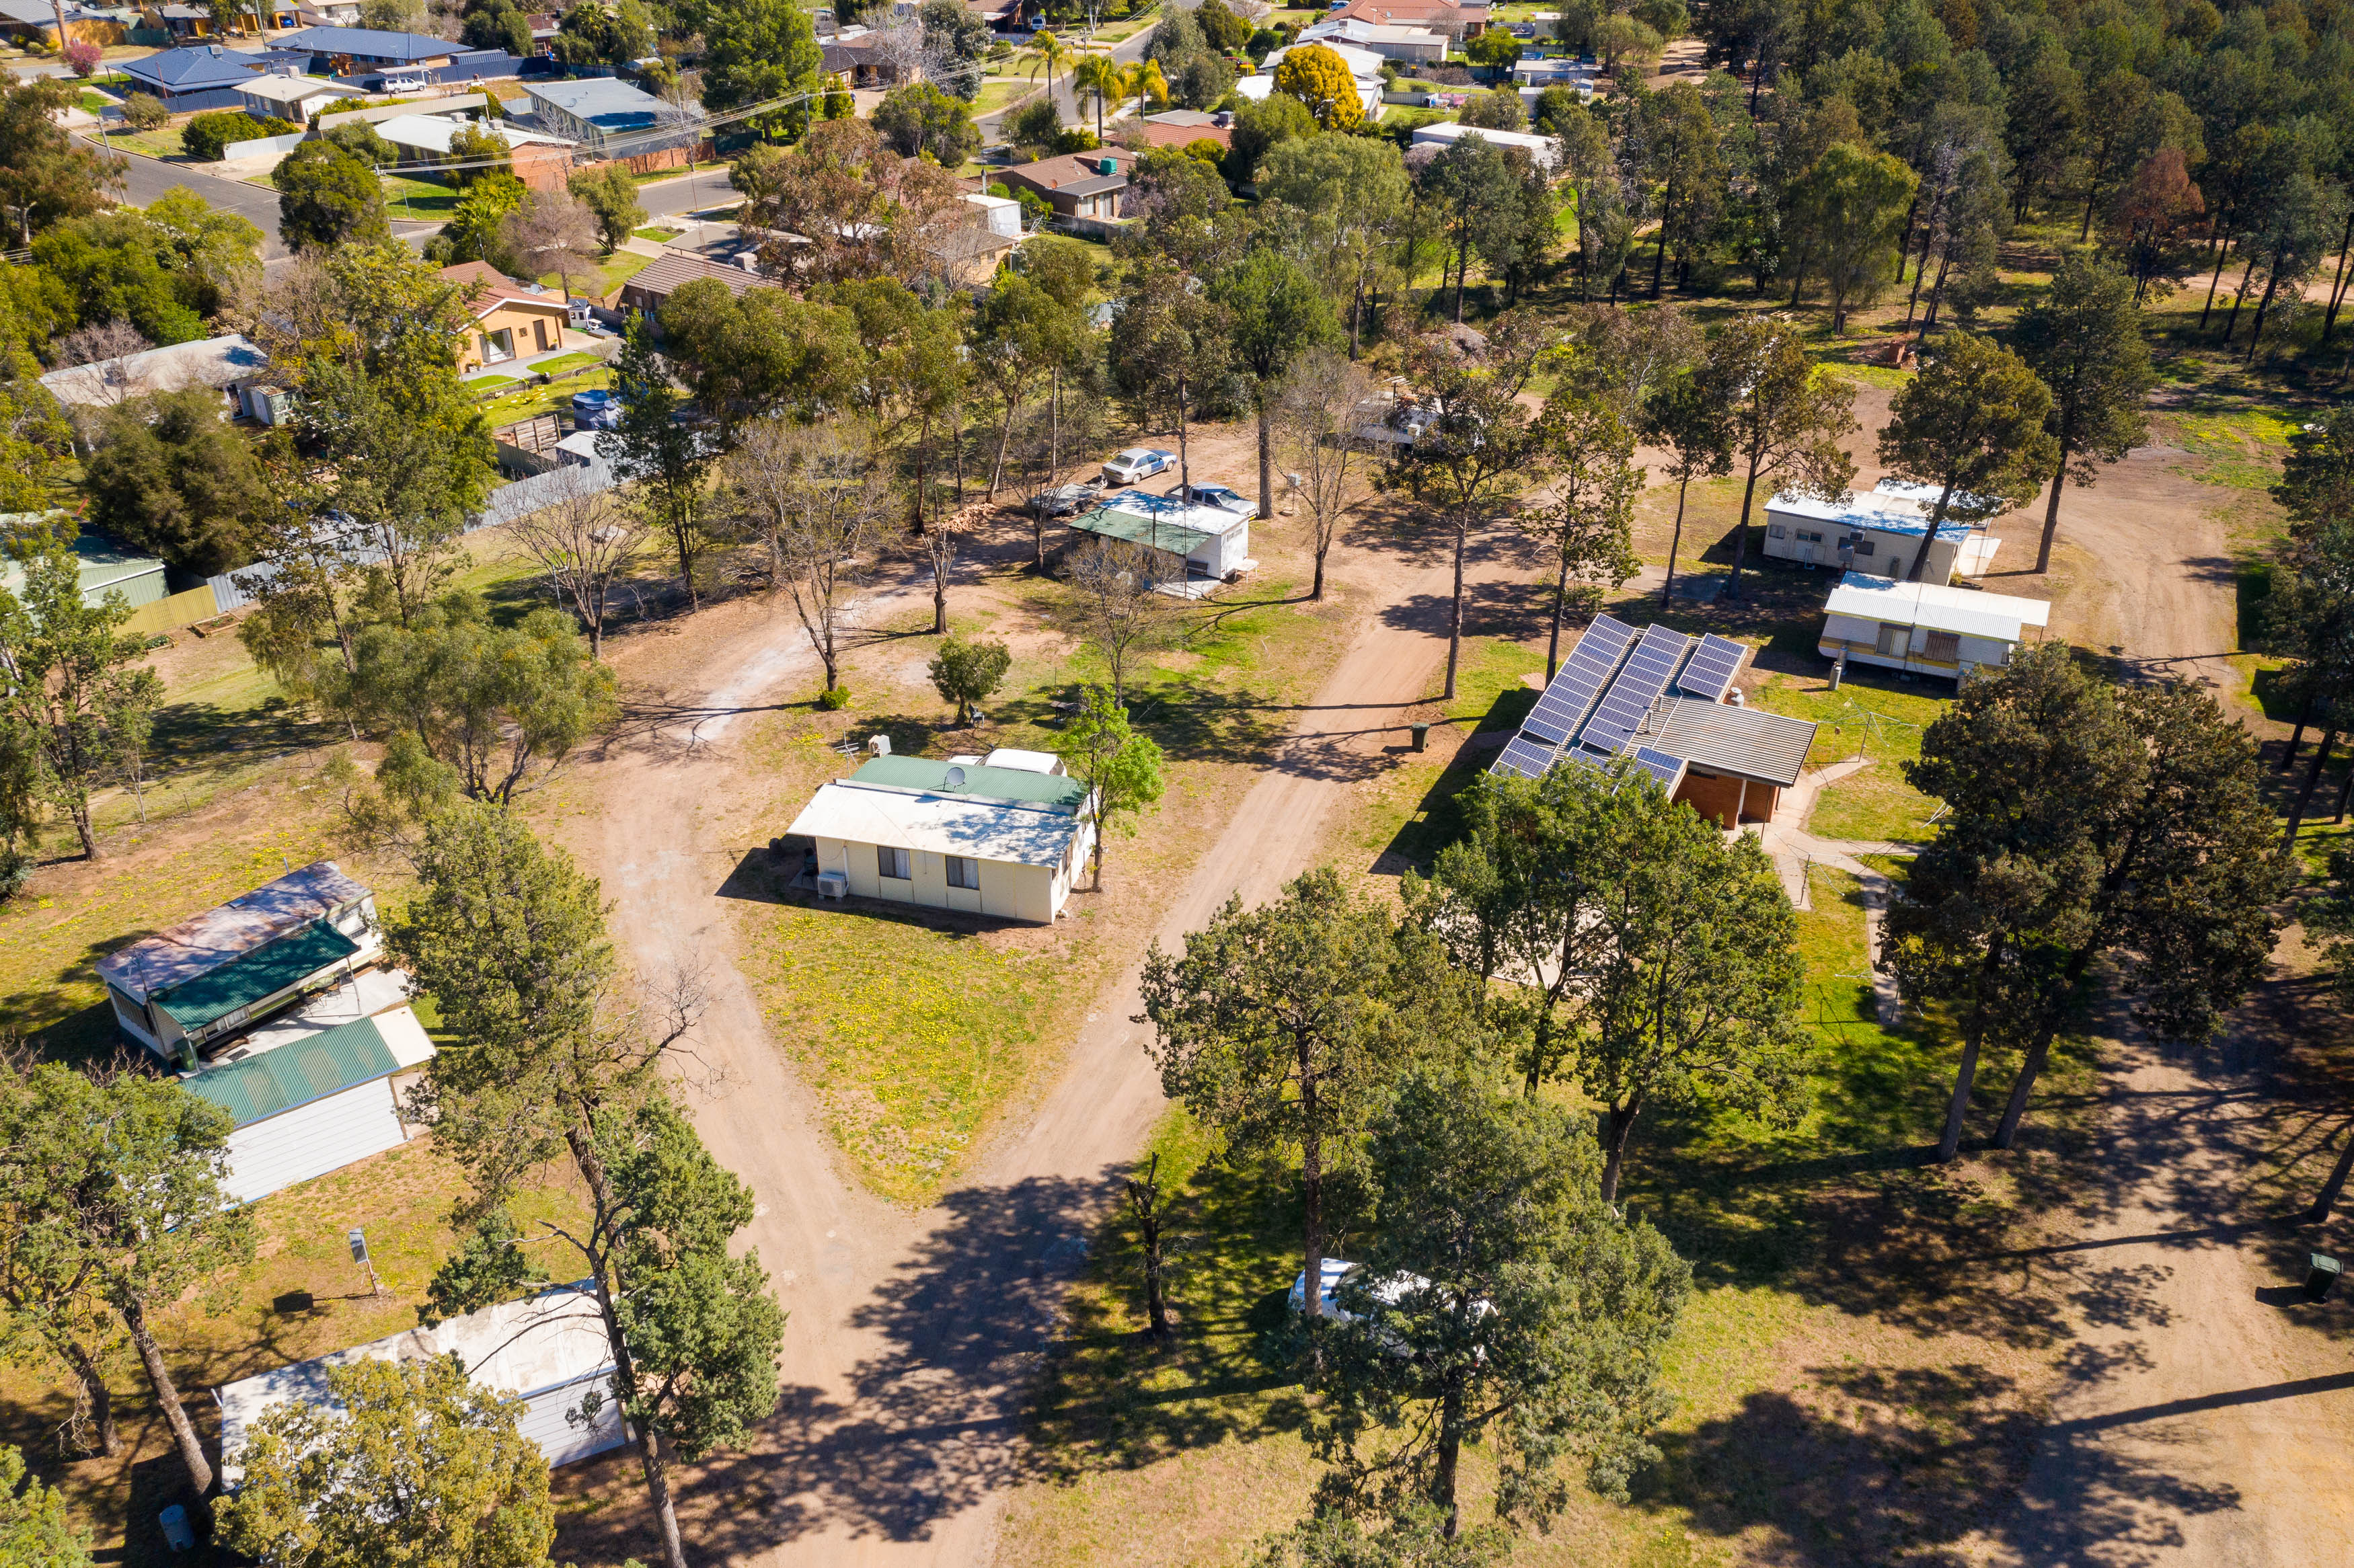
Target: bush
[
  {"x": 833, "y": 699},
  {"x": 145, "y": 111},
  {"x": 82, "y": 57},
  {"x": 203, "y": 137}
]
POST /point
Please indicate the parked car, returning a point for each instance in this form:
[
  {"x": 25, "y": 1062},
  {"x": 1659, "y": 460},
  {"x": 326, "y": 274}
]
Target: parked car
[
  {"x": 1065, "y": 500},
  {"x": 1226, "y": 497},
  {"x": 596, "y": 410},
  {"x": 1386, "y": 1292},
  {"x": 1137, "y": 463}
]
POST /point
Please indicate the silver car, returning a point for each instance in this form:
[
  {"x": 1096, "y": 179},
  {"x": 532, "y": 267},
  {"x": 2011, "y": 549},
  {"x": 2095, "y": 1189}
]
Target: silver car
[{"x": 1137, "y": 463}]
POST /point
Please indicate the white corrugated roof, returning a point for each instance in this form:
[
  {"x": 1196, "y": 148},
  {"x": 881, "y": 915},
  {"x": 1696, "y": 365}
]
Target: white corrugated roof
[
  {"x": 517, "y": 1348},
  {"x": 1880, "y": 513},
  {"x": 945, "y": 824},
  {"x": 1937, "y": 607},
  {"x": 433, "y": 133}
]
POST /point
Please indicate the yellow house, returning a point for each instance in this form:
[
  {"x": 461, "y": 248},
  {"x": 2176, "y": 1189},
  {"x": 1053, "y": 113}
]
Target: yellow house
[{"x": 511, "y": 322}]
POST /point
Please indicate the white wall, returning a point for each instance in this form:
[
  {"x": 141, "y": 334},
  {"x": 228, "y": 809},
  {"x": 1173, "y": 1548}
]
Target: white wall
[
  {"x": 311, "y": 1140},
  {"x": 565, "y": 1442},
  {"x": 1008, "y": 891}
]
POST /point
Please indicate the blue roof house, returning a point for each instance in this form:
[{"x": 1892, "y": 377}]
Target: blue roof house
[
  {"x": 596, "y": 111},
  {"x": 206, "y": 77},
  {"x": 368, "y": 47}
]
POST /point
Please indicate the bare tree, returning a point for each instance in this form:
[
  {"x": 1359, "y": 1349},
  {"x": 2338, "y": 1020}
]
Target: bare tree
[
  {"x": 105, "y": 346},
  {"x": 1121, "y": 608},
  {"x": 939, "y": 541},
  {"x": 584, "y": 539},
  {"x": 1316, "y": 416},
  {"x": 815, "y": 499},
  {"x": 551, "y": 232}
]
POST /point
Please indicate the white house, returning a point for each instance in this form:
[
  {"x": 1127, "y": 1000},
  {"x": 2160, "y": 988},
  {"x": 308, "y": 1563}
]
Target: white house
[
  {"x": 290, "y": 97},
  {"x": 1001, "y": 216},
  {"x": 982, "y": 837},
  {"x": 1205, "y": 543},
  {"x": 431, "y": 134},
  {"x": 231, "y": 365},
  {"x": 550, "y": 1349},
  {"x": 1880, "y": 532},
  {"x": 315, "y": 1103},
  {"x": 1925, "y": 629},
  {"x": 211, "y": 978},
  {"x": 1260, "y": 88},
  {"x": 1415, "y": 46},
  {"x": 1542, "y": 151}
]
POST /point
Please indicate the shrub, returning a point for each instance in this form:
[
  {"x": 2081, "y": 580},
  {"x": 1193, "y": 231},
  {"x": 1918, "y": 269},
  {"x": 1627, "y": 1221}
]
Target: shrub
[
  {"x": 203, "y": 137},
  {"x": 833, "y": 699},
  {"x": 82, "y": 57},
  {"x": 145, "y": 111}
]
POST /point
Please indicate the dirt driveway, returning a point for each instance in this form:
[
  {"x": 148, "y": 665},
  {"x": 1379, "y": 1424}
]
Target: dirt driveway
[{"x": 911, "y": 1337}]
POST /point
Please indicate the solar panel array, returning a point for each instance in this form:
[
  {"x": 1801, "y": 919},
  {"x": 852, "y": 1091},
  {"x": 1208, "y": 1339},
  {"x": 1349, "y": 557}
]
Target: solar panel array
[
  {"x": 1714, "y": 664},
  {"x": 1638, "y": 685},
  {"x": 1567, "y": 697}
]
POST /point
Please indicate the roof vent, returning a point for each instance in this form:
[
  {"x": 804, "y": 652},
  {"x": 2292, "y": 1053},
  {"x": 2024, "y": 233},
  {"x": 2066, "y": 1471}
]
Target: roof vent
[{"x": 955, "y": 780}]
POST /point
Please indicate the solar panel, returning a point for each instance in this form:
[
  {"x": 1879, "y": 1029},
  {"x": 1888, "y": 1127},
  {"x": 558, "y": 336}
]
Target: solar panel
[
  {"x": 1660, "y": 766},
  {"x": 1714, "y": 664},
  {"x": 1523, "y": 758},
  {"x": 1542, "y": 736}
]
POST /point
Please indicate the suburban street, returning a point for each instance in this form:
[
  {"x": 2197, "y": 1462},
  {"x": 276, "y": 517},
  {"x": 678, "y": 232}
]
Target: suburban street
[{"x": 148, "y": 178}]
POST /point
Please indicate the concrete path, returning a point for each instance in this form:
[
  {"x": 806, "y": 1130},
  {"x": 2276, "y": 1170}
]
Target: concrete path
[{"x": 1795, "y": 851}]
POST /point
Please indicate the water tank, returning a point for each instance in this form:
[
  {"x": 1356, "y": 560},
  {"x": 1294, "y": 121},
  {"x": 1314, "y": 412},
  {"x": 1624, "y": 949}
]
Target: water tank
[{"x": 1107, "y": 165}]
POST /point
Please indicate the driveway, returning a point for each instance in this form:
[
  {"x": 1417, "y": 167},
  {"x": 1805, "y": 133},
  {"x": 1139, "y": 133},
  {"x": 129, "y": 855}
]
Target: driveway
[{"x": 912, "y": 1338}]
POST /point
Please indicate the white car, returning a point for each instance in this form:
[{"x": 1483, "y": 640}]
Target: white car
[
  {"x": 1137, "y": 463},
  {"x": 1335, "y": 1270}
]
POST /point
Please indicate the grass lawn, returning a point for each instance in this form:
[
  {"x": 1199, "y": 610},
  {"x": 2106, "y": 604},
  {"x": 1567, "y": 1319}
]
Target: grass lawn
[
  {"x": 96, "y": 103},
  {"x": 998, "y": 91},
  {"x": 418, "y": 198},
  {"x": 1881, "y": 721},
  {"x": 657, "y": 233},
  {"x": 164, "y": 144},
  {"x": 483, "y": 384},
  {"x": 919, "y": 1029},
  {"x": 1815, "y": 1344},
  {"x": 618, "y": 269},
  {"x": 564, "y": 362},
  {"x": 534, "y": 400}
]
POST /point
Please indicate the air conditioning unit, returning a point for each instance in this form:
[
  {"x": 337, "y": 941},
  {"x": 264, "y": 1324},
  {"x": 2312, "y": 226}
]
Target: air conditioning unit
[
  {"x": 880, "y": 745},
  {"x": 834, "y": 884}
]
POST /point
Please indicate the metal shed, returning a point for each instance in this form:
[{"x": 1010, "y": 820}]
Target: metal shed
[{"x": 315, "y": 1103}]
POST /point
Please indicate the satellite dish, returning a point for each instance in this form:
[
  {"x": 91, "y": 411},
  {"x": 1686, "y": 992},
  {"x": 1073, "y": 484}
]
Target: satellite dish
[{"x": 956, "y": 779}]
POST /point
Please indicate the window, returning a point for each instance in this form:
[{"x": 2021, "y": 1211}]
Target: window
[
  {"x": 891, "y": 862},
  {"x": 1805, "y": 537},
  {"x": 964, "y": 873},
  {"x": 1894, "y": 640},
  {"x": 1944, "y": 646},
  {"x": 1776, "y": 530},
  {"x": 1863, "y": 547},
  {"x": 498, "y": 345}
]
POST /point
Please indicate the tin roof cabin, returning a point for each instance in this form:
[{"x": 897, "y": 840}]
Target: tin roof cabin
[
  {"x": 1002, "y": 836},
  {"x": 185, "y": 992},
  {"x": 1925, "y": 629},
  {"x": 1881, "y": 531},
  {"x": 1200, "y": 545}
]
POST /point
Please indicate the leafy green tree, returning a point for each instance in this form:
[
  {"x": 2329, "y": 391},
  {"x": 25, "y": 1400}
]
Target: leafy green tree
[
  {"x": 46, "y": 177},
  {"x": 1501, "y": 1299},
  {"x": 1120, "y": 767},
  {"x": 965, "y": 672},
  {"x": 955, "y": 31},
  {"x": 1498, "y": 109},
  {"x": 1467, "y": 180},
  {"x": 2086, "y": 823},
  {"x": 168, "y": 476},
  {"x": 1276, "y": 313},
  {"x": 1282, "y": 1027},
  {"x": 327, "y": 198},
  {"x": 1353, "y": 194},
  {"x": 607, "y": 191},
  {"x": 55, "y": 1317},
  {"x": 1224, "y": 31},
  {"x": 1259, "y": 127},
  {"x": 145, "y": 111},
  {"x": 1683, "y": 152},
  {"x": 1171, "y": 349},
  {"x": 1787, "y": 416},
  {"x": 2316, "y": 482},
  {"x": 1480, "y": 451},
  {"x": 203, "y": 137},
  {"x": 72, "y": 673},
  {"x": 123, "y": 1180},
  {"x": 652, "y": 450},
  {"x": 757, "y": 50},
  {"x": 560, "y": 1058},
  {"x": 404, "y": 1462},
  {"x": 472, "y": 233},
  {"x": 2083, "y": 339},
  {"x": 1588, "y": 520},
  {"x": 1850, "y": 208},
  {"x": 1696, "y": 999},
  {"x": 163, "y": 271},
  {"x": 485, "y": 710},
  {"x": 763, "y": 352},
  {"x": 1412, "y": 1535},
  {"x": 36, "y": 1528},
  {"x": 1681, "y": 417},
  {"x": 1974, "y": 423},
  {"x": 918, "y": 119}
]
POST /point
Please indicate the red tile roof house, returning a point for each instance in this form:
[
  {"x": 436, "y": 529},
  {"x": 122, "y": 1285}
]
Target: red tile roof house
[
  {"x": 1438, "y": 16},
  {"x": 1087, "y": 186},
  {"x": 1183, "y": 127}
]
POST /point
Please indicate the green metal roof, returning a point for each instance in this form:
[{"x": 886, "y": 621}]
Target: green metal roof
[
  {"x": 1155, "y": 532},
  {"x": 103, "y": 565},
  {"x": 255, "y": 976},
  {"x": 993, "y": 783},
  {"x": 297, "y": 1073}
]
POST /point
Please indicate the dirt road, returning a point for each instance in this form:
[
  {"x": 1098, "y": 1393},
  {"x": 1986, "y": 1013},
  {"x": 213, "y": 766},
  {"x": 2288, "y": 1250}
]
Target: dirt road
[
  {"x": 911, "y": 1338},
  {"x": 2208, "y": 1414}
]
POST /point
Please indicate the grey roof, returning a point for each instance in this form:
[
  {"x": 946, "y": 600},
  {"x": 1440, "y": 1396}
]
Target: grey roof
[
  {"x": 368, "y": 42},
  {"x": 1180, "y": 117},
  {"x": 673, "y": 270},
  {"x": 601, "y": 101},
  {"x": 1719, "y": 737},
  {"x": 1095, "y": 185},
  {"x": 199, "y": 945},
  {"x": 218, "y": 362}
]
